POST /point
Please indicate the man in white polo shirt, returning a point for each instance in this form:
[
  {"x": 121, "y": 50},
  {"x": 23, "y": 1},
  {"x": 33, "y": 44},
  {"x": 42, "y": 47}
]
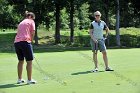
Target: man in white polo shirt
[{"x": 97, "y": 40}]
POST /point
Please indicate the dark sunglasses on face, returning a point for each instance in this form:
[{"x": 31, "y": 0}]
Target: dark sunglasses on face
[{"x": 97, "y": 15}]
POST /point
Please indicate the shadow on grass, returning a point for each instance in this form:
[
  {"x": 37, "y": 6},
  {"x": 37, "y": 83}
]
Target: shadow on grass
[
  {"x": 63, "y": 49},
  {"x": 59, "y": 49},
  {"x": 11, "y": 85},
  {"x": 45, "y": 49},
  {"x": 85, "y": 72}
]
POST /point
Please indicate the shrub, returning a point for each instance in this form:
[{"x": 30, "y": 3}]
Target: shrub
[{"x": 129, "y": 37}]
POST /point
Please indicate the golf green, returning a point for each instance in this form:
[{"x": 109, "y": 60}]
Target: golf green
[{"x": 69, "y": 72}]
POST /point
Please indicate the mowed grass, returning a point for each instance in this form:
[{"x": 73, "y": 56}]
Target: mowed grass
[{"x": 69, "y": 72}]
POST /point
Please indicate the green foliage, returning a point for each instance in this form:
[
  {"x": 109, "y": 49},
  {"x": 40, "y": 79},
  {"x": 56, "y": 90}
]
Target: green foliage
[
  {"x": 12, "y": 11},
  {"x": 130, "y": 37},
  {"x": 52, "y": 20},
  {"x": 64, "y": 19},
  {"x": 8, "y": 18},
  {"x": 83, "y": 14},
  {"x": 112, "y": 22}
]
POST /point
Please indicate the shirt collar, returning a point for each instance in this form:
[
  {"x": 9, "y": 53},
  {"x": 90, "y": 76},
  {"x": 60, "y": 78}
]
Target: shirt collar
[{"x": 98, "y": 22}]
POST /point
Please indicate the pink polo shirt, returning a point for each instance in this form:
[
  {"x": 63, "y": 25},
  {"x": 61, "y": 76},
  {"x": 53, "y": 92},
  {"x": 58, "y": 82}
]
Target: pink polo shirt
[{"x": 25, "y": 30}]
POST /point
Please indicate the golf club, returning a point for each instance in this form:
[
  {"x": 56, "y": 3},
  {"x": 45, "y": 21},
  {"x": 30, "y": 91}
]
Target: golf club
[
  {"x": 45, "y": 74},
  {"x": 96, "y": 46},
  {"x": 40, "y": 69}
]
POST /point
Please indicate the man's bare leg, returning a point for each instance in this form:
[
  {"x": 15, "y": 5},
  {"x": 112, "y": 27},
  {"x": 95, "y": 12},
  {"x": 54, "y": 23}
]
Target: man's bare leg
[
  {"x": 95, "y": 60},
  {"x": 105, "y": 58},
  {"x": 20, "y": 69},
  {"x": 29, "y": 69}
]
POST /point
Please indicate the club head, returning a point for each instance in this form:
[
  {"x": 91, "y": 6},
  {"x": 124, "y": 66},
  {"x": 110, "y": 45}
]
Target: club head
[{"x": 46, "y": 78}]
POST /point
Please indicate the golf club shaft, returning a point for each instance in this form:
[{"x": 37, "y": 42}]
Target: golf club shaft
[
  {"x": 40, "y": 69},
  {"x": 96, "y": 46}
]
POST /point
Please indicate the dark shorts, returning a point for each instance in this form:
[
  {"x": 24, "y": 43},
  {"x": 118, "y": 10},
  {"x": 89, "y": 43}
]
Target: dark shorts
[{"x": 24, "y": 50}]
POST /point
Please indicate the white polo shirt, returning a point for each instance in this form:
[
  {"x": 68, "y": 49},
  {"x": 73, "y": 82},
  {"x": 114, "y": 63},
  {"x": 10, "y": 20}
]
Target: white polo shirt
[{"x": 98, "y": 28}]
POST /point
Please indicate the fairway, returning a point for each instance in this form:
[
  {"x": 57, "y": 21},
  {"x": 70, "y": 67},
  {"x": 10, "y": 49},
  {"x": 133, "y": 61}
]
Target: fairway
[{"x": 69, "y": 72}]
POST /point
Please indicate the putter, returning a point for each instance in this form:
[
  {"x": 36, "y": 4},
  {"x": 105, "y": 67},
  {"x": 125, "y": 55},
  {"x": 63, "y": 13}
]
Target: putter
[{"x": 96, "y": 46}]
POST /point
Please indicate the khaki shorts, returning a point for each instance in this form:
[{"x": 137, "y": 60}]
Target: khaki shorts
[{"x": 99, "y": 46}]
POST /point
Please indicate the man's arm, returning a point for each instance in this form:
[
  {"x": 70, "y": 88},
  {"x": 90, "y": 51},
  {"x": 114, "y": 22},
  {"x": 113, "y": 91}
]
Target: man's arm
[
  {"x": 33, "y": 30},
  {"x": 107, "y": 32},
  {"x": 33, "y": 34},
  {"x": 91, "y": 33},
  {"x": 106, "y": 29}
]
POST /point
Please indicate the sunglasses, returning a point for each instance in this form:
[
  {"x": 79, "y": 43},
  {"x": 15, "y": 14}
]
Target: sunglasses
[{"x": 97, "y": 15}]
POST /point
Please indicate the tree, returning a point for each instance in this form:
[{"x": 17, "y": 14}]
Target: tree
[
  {"x": 9, "y": 18},
  {"x": 136, "y": 13},
  {"x": 36, "y": 25},
  {"x": 106, "y": 10},
  {"x": 59, "y": 4},
  {"x": 57, "y": 28},
  {"x": 72, "y": 6},
  {"x": 117, "y": 23},
  {"x": 71, "y": 21},
  {"x": 83, "y": 16},
  {"x": 41, "y": 9}
]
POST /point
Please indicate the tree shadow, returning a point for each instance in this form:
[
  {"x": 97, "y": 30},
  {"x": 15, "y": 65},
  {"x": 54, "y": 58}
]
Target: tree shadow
[
  {"x": 11, "y": 85},
  {"x": 61, "y": 49},
  {"x": 85, "y": 72},
  {"x": 7, "y": 46}
]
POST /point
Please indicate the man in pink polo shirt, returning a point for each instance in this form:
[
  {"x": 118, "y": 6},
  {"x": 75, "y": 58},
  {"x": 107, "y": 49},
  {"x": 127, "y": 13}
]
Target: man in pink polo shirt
[{"x": 23, "y": 47}]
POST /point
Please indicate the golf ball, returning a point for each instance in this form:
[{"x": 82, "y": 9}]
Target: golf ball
[
  {"x": 91, "y": 81},
  {"x": 118, "y": 84}
]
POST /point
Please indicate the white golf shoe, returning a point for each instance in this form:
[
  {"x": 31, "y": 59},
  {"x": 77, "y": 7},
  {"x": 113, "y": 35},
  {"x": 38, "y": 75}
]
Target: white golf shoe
[
  {"x": 94, "y": 70},
  {"x": 20, "y": 81},
  {"x": 31, "y": 81}
]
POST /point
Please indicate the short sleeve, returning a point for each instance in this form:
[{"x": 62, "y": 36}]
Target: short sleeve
[
  {"x": 105, "y": 26},
  {"x": 91, "y": 26},
  {"x": 33, "y": 25}
]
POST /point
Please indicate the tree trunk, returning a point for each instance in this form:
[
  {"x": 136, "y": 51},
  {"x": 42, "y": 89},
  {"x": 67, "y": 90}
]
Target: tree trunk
[
  {"x": 106, "y": 12},
  {"x": 107, "y": 17},
  {"x": 125, "y": 13},
  {"x": 117, "y": 23},
  {"x": 57, "y": 28},
  {"x": 36, "y": 36},
  {"x": 71, "y": 21}
]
